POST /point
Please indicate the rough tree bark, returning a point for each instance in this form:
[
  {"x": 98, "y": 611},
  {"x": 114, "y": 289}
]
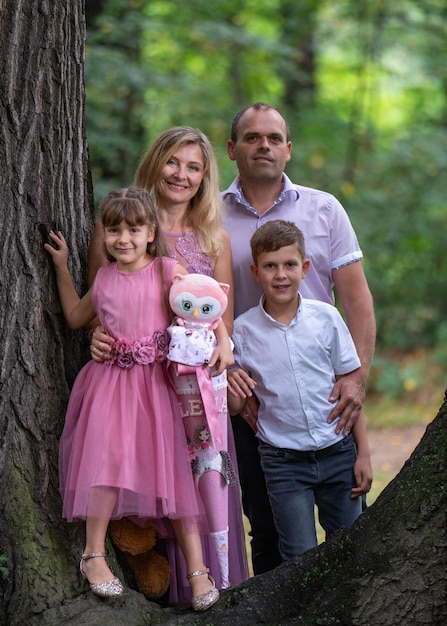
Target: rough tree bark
[
  {"x": 389, "y": 569},
  {"x": 44, "y": 178}
]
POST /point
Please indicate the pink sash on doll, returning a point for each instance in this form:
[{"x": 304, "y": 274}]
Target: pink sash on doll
[{"x": 205, "y": 383}]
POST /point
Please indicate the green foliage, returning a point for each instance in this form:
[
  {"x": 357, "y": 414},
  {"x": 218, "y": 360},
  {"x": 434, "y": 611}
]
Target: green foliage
[
  {"x": 397, "y": 206},
  {"x": 363, "y": 86},
  {"x": 115, "y": 80},
  {"x": 440, "y": 352},
  {"x": 404, "y": 389},
  {"x": 395, "y": 380}
]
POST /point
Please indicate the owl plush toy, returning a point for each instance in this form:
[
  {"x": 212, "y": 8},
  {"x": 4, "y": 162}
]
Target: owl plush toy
[{"x": 198, "y": 302}]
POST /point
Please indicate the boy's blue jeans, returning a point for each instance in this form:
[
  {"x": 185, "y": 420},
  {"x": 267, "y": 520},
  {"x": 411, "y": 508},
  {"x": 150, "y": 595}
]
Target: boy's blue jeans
[{"x": 296, "y": 481}]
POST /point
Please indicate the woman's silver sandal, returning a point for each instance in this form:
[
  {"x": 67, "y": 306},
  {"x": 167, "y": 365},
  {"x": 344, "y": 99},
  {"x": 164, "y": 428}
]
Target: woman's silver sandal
[
  {"x": 110, "y": 589},
  {"x": 204, "y": 600}
]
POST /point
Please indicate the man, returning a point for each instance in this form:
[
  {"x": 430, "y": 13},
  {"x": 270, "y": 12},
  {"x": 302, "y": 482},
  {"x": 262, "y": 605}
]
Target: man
[{"x": 261, "y": 192}]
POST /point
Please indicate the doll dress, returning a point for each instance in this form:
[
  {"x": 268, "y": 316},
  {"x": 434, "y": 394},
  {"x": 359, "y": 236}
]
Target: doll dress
[{"x": 123, "y": 428}]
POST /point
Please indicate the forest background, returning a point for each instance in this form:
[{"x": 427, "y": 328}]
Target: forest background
[{"x": 363, "y": 85}]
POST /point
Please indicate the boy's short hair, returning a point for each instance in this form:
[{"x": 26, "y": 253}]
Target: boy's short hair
[{"x": 275, "y": 235}]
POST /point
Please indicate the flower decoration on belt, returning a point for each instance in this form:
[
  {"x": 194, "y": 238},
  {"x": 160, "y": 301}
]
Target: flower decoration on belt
[
  {"x": 143, "y": 351},
  {"x": 161, "y": 338}
]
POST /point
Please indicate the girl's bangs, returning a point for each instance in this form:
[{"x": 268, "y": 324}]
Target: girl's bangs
[{"x": 129, "y": 210}]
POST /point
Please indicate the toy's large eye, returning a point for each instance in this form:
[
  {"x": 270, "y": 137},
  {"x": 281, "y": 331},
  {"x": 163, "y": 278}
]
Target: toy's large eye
[
  {"x": 186, "y": 305},
  {"x": 206, "y": 309}
]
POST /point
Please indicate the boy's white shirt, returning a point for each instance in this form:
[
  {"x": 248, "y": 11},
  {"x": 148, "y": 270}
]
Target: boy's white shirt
[{"x": 294, "y": 367}]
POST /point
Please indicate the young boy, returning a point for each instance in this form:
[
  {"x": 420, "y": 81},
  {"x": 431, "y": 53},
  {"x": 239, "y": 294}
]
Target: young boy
[{"x": 294, "y": 349}]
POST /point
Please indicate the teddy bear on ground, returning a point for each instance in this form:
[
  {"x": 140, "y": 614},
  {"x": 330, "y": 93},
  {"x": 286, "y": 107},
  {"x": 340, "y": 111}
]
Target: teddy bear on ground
[{"x": 151, "y": 569}]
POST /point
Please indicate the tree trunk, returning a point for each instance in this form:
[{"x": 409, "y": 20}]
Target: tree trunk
[
  {"x": 43, "y": 178},
  {"x": 297, "y": 71}
]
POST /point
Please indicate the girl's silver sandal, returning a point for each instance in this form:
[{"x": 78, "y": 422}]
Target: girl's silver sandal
[
  {"x": 110, "y": 589},
  {"x": 204, "y": 600}
]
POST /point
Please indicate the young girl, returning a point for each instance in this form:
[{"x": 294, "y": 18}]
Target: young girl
[
  {"x": 123, "y": 451},
  {"x": 180, "y": 171}
]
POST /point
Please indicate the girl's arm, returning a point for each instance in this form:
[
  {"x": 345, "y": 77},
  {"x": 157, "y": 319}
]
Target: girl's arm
[{"x": 77, "y": 311}]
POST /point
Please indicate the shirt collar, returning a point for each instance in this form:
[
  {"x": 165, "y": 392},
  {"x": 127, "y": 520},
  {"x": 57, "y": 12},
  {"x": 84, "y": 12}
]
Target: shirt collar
[
  {"x": 236, "y": 190},
  {"x": 272, "y": 320}
]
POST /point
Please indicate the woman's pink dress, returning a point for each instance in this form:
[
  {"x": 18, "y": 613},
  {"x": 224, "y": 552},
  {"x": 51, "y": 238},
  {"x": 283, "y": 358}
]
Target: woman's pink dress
[{"x": 123, "y": 428}]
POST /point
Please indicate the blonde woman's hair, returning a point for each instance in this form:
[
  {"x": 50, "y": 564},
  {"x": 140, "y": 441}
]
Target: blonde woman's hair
[{"x": 204, "y": 214}]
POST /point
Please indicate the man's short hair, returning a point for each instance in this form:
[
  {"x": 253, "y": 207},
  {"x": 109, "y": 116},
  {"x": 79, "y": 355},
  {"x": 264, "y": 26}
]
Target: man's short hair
[{"x": 257, "y": 106}]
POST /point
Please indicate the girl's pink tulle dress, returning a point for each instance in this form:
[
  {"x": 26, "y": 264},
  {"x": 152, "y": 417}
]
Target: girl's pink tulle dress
[{"x": 123, "y": 428}]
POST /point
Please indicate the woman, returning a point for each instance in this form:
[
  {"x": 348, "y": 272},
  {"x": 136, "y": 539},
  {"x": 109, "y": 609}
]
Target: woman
[{"x": 180, "y": 171}]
